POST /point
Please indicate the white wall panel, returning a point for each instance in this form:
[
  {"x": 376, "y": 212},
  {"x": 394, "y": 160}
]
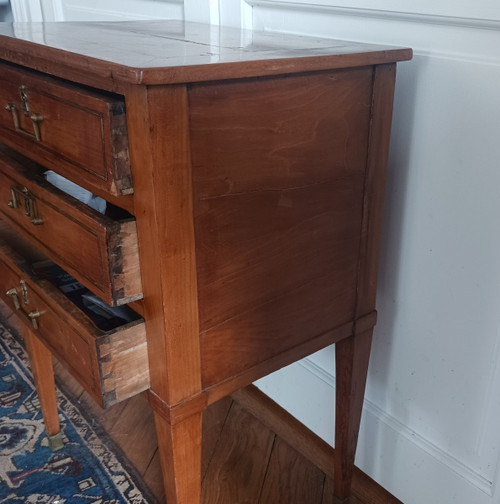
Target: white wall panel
[
  {"x": 96, "y": 10},
  {"x": 119, "y": 10},
  {"x": 26, "y": 10},
  {"x": 202, "y": 11},
  {"x": 477, "y": 10}
]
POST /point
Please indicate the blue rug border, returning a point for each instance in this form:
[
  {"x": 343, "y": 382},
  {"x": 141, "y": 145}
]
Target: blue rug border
[{"x": 94, "y": 422}]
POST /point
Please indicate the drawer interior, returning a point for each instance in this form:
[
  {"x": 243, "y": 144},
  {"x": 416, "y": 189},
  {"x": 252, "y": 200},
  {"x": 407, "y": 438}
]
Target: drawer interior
[
  {"x": 105, "y": 317},
  {"x": 42, "y": 270},
  {"x": 104, "y": 347},
  {"x": 57, "y": 216}
]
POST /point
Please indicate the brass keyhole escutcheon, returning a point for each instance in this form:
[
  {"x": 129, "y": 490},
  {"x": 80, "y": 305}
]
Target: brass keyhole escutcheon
[
  {"x": 36, "y": 119},
  {"x": 22, "y": 197},
  {"x": 24, "y": 292}
]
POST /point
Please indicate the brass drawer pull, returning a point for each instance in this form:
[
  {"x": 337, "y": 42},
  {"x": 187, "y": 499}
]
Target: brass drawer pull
[
  {"x": 33, "y": 317},
  {"x": 29, "y": 204},
  {"x": 36, "y": 119},
  {"x": 15, "y": 297}
]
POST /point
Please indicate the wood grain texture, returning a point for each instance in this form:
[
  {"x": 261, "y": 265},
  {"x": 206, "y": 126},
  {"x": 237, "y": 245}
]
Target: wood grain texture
[
  {"x": 123, "y": 363},
  {"x": 128, "y": 431},
  {"x": 328, "y": 497},
  {"x": 214, "y": 420},
  {"x": 83, "y": 133},
  {"x": 301, "y": 439},
  {"x": 376, "y": 173},
  {"x": 278, "y": 172},
  {"x": 286, "y": 427},
  {"x": 351, "y": 366},
  {"x": 364, "y": 489},
  {"x": 180, "y": 411},
  {"x": 110, "y": 55},
  {"x": 153, "y": 477},
  {"x": 43, "y": 376},
  {"x": 277, "y": 362},
  {"x": 352, "y": 354},
  {"x": 291, "y": 479},
  {"x": 180, "y": 455},
  {"x": 236, "y": 472},
  {"x": 106, "y": 259},
  {"x": 161, "y": 166}
]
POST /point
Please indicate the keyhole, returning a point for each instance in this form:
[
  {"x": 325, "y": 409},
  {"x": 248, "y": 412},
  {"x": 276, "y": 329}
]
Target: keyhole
[{"x": 24, "y": 99}]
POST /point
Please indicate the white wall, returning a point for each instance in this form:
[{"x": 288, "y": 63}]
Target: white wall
[
  {"x": 96, "y": 10},
  {"x": 430, "y": 427}
]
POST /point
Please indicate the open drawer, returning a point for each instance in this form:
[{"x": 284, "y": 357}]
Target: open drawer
[
  {"x": 101, "y": 252},
  {"x": 78, "y": 132},
  {"x": 107, "y": 354}
]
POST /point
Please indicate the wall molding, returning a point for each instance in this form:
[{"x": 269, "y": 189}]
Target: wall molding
[
  {"x": 115, "y": 13},
  {"x": 388, "y": 15},
  {"x": 457, "y": 466},
  {"x": 54, "y": 10},
  {"x": 107, "y": 12},
  {"x": 26, "y": 10},
  {"x": 238, "y": 13}
]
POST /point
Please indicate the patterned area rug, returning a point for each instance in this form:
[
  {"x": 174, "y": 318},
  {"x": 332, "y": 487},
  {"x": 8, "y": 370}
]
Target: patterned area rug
[{"x": 89, "y": 469}]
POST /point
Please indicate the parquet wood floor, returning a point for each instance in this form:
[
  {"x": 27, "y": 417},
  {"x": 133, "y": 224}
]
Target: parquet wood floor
[{"x": 244, "y": 462}]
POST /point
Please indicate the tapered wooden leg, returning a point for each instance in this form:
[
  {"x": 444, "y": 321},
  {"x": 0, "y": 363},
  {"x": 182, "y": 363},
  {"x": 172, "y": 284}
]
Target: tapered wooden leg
[
  {"x": 43, "y": 376},
  {"x": 351, "y": 359},
  {"x": 180, "y": 457}
]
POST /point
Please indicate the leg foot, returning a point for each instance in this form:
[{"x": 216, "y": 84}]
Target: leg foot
[
  {"x": 180, "y": 456},
  {"x": 43, "y": 376},
  {"x": 55, "y": 442},
  {"x": 351, "y": 358}
]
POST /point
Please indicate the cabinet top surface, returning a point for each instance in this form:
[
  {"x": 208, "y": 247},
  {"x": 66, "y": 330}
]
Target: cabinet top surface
[{"x": 164, "y": 52}]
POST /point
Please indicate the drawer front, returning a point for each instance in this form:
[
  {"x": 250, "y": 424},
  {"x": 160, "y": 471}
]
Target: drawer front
[
  {"x": 78, "y": 133},
  {"x": 100, "y": 252},
  {"x": 110, "y": 365},
  {"x": 67, "y": 344}
]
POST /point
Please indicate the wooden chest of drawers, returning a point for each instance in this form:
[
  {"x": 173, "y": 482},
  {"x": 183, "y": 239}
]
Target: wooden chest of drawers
[{"x": 244, "y": 188}]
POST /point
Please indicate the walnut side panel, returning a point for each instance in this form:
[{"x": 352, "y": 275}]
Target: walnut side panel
[{"x": 278, "y": 180}]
